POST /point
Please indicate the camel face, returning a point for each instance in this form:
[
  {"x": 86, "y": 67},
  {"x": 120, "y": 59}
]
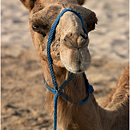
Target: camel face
[{"x": 69, "y": 47}]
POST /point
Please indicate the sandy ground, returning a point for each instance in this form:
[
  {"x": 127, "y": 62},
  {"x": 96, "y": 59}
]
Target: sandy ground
[{"x": 23, "y": 92}]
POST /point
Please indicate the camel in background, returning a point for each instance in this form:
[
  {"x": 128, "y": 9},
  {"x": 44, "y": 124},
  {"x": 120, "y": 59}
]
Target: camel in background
[{"x": 69, "y": 52}]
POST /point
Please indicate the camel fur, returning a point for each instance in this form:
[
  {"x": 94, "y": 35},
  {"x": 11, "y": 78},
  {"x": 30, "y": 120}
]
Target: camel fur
[{"x": 69, "y": 52}]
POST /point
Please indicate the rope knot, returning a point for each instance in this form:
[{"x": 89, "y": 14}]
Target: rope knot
[{"x": 57, "y": 92}]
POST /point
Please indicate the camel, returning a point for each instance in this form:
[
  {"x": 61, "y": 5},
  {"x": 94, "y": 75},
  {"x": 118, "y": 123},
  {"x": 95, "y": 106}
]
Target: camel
[{"x": 69, "y": 52}]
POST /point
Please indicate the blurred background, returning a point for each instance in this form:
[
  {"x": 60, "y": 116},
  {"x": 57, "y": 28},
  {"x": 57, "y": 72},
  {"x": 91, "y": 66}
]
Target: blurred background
[{"x": 23, "y": 91}]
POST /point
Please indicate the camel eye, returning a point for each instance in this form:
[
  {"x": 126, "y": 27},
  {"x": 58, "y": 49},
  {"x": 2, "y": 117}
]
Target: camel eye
[{"x": 36, "y": 28}]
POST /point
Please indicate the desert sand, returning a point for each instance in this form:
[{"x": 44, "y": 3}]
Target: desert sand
[{"x": 23, "y": 91}]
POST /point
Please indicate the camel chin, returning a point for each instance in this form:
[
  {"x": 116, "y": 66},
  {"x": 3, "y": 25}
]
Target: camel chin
[{"x": 75, "y": 60}]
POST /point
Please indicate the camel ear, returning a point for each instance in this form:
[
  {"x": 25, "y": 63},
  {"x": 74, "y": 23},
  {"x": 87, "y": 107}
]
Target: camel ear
[
  {"x": 81, "y": 2},
  {"x": 29, "y": 4}
]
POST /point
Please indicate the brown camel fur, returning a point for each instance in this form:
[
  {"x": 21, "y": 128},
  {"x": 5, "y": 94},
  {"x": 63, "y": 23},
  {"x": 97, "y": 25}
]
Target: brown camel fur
[{"x": 69, "y": 52}]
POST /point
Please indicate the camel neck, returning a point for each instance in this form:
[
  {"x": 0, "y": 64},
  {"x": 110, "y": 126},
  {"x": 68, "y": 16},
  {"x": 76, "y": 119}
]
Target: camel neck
[
  {"x": 70, "y": 115},
  {"x": 76, "y": 88}
]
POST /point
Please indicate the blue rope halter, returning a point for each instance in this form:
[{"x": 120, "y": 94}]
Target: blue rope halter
[{"x": 58, "y": 91}]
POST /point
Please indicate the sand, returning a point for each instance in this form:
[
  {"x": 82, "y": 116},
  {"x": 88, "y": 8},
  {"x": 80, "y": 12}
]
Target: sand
[{"x": 23, "y": 91}]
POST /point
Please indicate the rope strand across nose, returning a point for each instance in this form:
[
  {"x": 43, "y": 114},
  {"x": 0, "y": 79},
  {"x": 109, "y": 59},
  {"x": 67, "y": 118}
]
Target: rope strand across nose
[{"x": 58, "y": 91}]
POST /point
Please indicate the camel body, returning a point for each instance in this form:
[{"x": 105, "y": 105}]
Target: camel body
[{"x": 69, "y": 52}]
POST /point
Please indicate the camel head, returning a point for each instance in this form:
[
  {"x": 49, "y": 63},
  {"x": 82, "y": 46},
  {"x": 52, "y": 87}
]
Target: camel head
[{"x": 69, "y": 48}]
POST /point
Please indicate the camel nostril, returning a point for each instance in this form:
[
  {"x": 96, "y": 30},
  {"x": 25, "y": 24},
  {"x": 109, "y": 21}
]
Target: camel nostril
[
  {"x": 82, "y": 40},
  {"x": 64, "y": 39}
]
